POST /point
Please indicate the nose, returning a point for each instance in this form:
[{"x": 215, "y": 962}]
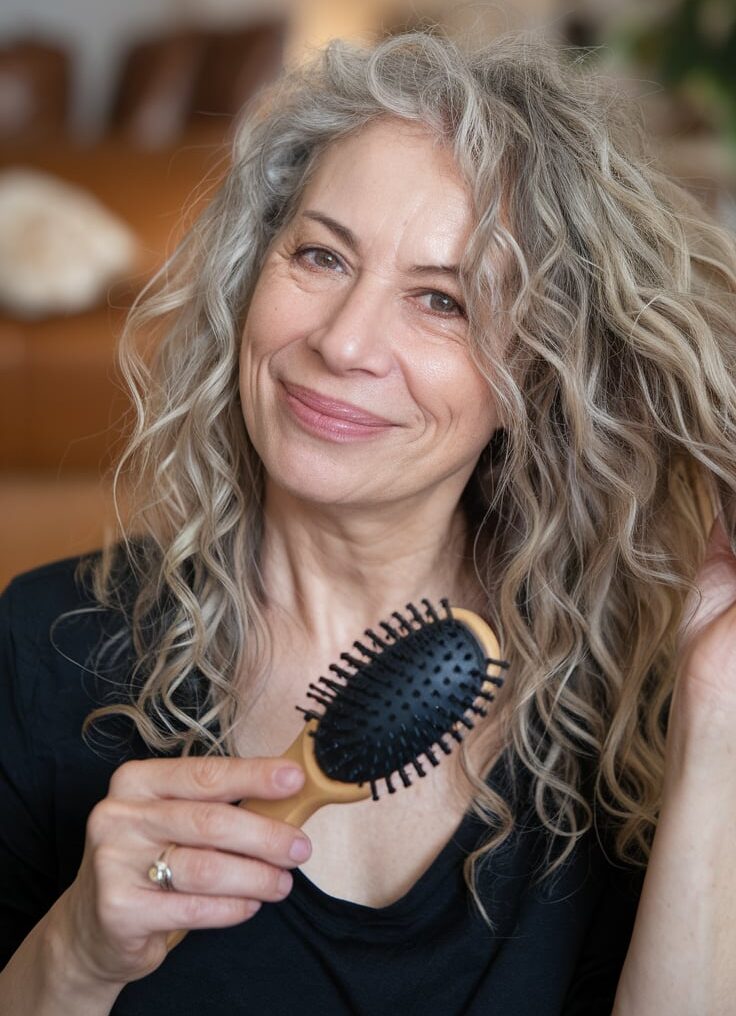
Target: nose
[{"x": 354, "y": 332}]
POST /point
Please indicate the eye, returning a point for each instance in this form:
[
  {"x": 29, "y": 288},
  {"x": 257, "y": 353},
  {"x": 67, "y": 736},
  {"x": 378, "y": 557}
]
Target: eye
[
  {"x": 444, "y": 304},
  {"x": 322, "y": 258}
]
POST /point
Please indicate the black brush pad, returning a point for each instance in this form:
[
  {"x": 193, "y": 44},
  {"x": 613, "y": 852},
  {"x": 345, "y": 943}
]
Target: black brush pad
[{"x": 398, "y": 699}]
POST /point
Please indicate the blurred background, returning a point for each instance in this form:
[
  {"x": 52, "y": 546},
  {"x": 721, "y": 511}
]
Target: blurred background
[{"x": 114, "y": 122}]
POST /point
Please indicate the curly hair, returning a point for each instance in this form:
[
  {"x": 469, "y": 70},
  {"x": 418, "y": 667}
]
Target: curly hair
[{"x": 613, "y": 296}]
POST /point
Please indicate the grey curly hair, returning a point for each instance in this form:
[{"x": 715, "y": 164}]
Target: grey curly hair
[{"x": 612, "y": 294}]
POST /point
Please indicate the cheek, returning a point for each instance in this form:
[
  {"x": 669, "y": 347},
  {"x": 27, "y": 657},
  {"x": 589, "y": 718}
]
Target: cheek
[
  {"x": 446, "y": 383},
  {"x": 256, "y": 346},
  {"x": 264, "y": 328},
  {"x": 276, "y": 313}
]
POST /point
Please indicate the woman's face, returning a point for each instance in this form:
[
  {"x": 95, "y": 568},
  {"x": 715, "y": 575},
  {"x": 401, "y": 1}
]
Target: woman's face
[{"x": 355, "y": 379}]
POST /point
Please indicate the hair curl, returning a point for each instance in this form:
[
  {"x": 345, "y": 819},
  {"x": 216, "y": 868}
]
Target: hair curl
[{"x": 612, "y": 294}]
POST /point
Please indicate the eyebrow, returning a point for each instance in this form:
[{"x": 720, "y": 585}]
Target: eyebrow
[{"x": 349, "y": 238}]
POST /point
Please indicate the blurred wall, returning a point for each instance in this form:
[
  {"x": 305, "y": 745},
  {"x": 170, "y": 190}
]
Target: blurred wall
[{"x": 98, "y": 32}]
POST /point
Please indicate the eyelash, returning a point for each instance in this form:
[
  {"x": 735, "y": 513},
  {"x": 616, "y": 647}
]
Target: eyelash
[{"x": 297, "y": 254}]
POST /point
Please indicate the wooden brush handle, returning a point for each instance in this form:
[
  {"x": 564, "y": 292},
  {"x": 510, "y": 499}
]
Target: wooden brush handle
[{"x": 317, "y": 791}]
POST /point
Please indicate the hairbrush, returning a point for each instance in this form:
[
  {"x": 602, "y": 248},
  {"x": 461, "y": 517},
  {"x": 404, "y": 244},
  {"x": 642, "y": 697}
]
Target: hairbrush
[{"x": 409, "y": 691}]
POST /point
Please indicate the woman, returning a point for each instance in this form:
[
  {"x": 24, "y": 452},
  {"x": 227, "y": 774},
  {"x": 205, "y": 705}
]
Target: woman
[{"x": 442, "y": 332}]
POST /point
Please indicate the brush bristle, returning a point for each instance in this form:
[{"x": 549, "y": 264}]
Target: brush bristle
[{"x": 397, "y": 700}]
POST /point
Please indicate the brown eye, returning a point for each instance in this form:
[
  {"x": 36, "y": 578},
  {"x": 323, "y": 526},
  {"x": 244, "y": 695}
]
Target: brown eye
[
  {"x": 321, "y": 257},
  {"x": 444, "y": 304}
]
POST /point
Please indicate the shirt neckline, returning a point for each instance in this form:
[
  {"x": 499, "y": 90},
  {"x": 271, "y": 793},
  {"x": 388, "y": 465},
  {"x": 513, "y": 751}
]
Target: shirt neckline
[{"x": 308, "y": 897}]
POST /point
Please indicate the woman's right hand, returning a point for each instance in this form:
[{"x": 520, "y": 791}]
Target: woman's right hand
[{"x": 113, "y": 921}]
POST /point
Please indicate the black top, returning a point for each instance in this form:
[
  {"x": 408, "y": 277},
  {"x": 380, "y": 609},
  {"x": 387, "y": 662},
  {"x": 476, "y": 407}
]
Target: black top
[{"x": 557, "y": 947}]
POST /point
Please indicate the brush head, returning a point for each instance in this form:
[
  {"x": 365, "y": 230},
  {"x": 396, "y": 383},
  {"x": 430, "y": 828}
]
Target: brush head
[{"x": 404, "y": 694}]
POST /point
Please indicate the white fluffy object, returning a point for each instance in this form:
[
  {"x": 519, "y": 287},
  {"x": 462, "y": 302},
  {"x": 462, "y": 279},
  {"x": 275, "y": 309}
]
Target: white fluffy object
[{"x": 59, "y": 246}]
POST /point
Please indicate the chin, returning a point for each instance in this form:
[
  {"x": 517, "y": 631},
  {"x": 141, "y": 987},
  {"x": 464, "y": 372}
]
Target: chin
[{"x": 321, "y": 479}]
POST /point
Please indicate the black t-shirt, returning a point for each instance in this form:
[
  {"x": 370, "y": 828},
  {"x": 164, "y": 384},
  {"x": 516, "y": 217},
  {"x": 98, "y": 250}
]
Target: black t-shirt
[{"x": 557, "y": 947}]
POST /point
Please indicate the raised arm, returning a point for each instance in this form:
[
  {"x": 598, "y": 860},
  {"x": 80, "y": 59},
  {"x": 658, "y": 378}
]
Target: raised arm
[{"x": 681, "y": 956}]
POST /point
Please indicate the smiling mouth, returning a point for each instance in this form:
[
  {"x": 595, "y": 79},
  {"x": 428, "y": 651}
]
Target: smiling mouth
[
  {"x": 318, "y": 416},
  {"x": 334, "y": 408}
]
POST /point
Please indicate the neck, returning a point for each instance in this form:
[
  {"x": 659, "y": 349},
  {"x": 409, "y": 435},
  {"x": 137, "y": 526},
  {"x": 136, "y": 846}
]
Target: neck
[{"x": 330, "y": 571}]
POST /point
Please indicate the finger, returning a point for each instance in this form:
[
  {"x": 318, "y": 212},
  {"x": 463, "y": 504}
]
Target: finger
[
  {"x": 173, "y": 911},
  {"x": 212, "y": 778},
  {"x": 217, "y": 873},
  {"x": 222, "y": 827}
]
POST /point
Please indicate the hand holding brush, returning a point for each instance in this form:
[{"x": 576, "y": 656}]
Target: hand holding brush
[{"x": 390, "y": 708}]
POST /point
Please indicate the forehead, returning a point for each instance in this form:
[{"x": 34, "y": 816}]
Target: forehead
[
  {"x": 389, "y": 139},
  {"x": 391, "y": 176}
]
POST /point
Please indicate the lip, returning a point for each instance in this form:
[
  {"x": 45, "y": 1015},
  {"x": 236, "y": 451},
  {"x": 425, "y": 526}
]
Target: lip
[
  {"x": 317, "y": 415},
  {"x": 334, "y": 407}
]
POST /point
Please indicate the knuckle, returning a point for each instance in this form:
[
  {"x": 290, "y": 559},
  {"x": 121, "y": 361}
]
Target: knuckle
[
  {"x": 103, "y": 820},
  {"x": 125, "y": 777},
  {"x": 102, "y": 862},
  {"x": 110, "y": 904},
  {"x": 206, "y": 771},
  {"x": 196, "y": 909},
  {"x": 267, "y": 879},
  {"x": 205, "y": 868},
  {"x": 115, "y": 902},
  {"x": 275, "y": 839},
  {"x": 98, "y": 821},
  {"x": 210, "y": 821}
]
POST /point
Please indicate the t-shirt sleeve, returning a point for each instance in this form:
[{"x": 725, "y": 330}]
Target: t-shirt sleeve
[
  {"x": 593, "y": 987},
  {"x": 27, "y": 863}
]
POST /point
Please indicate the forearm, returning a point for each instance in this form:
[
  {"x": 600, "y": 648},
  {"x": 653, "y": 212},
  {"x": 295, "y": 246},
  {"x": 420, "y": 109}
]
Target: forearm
[
  {"x": 41, "y": 978},
  {"x": 680, "y": 959}
]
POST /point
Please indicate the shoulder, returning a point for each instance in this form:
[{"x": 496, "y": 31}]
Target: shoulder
[
  {"x": 54, "y": 601},
  {"x": 36, "y": 601},
  {"x": 35, "y": 598},
  {"x": 51, "y": 628}
]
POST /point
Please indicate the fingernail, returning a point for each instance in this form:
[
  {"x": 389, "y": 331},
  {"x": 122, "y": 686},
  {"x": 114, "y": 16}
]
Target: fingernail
[
  {"x": 300, "y": 849},
  {"x": 288, "y": 779}
]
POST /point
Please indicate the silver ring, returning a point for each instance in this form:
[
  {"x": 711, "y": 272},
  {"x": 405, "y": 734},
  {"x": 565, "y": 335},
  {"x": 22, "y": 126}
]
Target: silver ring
[{"x": 160, "y": 872}]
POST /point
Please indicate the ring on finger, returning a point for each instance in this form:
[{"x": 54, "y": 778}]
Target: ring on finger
[{"x": 160, "y": 872}]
